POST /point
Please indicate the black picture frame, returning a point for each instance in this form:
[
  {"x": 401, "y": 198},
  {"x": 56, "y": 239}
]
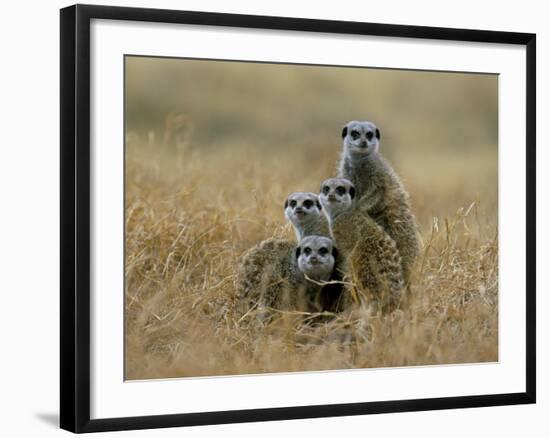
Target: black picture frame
[{"x": 75, "y": 217}]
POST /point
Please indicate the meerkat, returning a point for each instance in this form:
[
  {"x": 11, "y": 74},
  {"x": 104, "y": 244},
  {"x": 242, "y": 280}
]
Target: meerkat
[
  {"x": 281, "y": 275},
  {"x": 304, "y": 211},
  {"x": 379, "y": 190},
  {"x": 371, "y": 256},
  {"x": 318, "y": 261}
]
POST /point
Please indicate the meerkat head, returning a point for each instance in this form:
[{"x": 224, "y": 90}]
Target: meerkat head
[
  {"x": 337, "y": 194},
  {"x": 316, "y": 257},
  {"x": 302, "y": 208},
  {"x": 360, "y": 139}
]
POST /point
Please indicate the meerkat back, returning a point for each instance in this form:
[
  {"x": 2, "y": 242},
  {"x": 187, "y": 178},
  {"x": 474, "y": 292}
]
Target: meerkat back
[{"x": 262, "y": 273}]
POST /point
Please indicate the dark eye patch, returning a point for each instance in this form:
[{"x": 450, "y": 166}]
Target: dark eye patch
[
  {"x": 293, "y": 203},
  {"x": 370, "y": 135},
  {"x": 323, "y": 250},
  {"x": 355, "y": 135},
  {"x": 341, "y": 190},
  {"x": 326, "y": 189},
  {"x": 308, "y": 203},
  {"x": 307, "y": 250}
]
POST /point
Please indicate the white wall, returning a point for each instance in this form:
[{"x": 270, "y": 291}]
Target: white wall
[{"x": 30, "y": 204}]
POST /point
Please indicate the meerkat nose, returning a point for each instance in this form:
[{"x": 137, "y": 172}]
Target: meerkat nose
[{"x": 363, "y": 144}]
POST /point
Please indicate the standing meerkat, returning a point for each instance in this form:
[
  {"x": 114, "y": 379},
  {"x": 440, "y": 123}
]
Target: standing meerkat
[
  {"x": 370, "y": 255},
  {"x": 269, "y": 267},
  {"x": 380, "y": 192}
]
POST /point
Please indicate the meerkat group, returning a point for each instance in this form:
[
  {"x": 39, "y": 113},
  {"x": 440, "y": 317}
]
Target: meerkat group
[
  {"x": 359, "y": 228},
  {"x": 284, "y": 274}
]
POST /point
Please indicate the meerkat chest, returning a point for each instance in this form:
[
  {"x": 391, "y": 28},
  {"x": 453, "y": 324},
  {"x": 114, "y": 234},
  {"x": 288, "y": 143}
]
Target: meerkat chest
[
  {"x": 355, "y": 174},
  {"x": 365, "y": 176}
]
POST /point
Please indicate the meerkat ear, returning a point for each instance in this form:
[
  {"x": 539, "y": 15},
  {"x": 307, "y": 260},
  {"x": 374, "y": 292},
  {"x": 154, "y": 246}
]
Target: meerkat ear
[
  {"x": 318, "y": 204},
  {"x": 334, "y": 252},
  {"x": 377, "y": 133},
  {"x": 286, "y": 203},
  {"x": 352, "y": 192},
  {"x": 344, "y": 132},
  {"x": 297, "y": 252}
]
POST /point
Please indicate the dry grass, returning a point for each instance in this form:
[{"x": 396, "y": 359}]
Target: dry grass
[
  {"x": 190, "y": 214},
  {"x": 204, "y": 187}
]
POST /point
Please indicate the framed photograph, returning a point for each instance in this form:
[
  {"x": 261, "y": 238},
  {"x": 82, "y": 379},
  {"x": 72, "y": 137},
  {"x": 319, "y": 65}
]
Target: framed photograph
[{"x": 268, "y": 218}]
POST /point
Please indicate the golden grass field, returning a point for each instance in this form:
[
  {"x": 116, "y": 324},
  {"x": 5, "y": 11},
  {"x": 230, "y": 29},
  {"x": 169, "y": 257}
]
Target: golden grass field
[{"x": 212, "y": 151}]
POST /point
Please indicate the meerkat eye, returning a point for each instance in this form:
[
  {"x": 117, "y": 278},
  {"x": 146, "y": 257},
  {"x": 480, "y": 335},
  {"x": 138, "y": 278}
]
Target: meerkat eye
[
  {"x": 308, "y": 203},
  {"x": 323, "y": 251},
  {"x": 370, "y": 135},
  {"x": 293, "y": 203},
  {"x": 341, "y": 190},
  {"x": 307, "y": 250},
  {"x": 326, "y": 189},
  {"x": 355, "y": 135}
]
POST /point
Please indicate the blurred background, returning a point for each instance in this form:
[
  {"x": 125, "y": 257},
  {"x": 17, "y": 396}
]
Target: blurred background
[{"x": 439, "y": 129}]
